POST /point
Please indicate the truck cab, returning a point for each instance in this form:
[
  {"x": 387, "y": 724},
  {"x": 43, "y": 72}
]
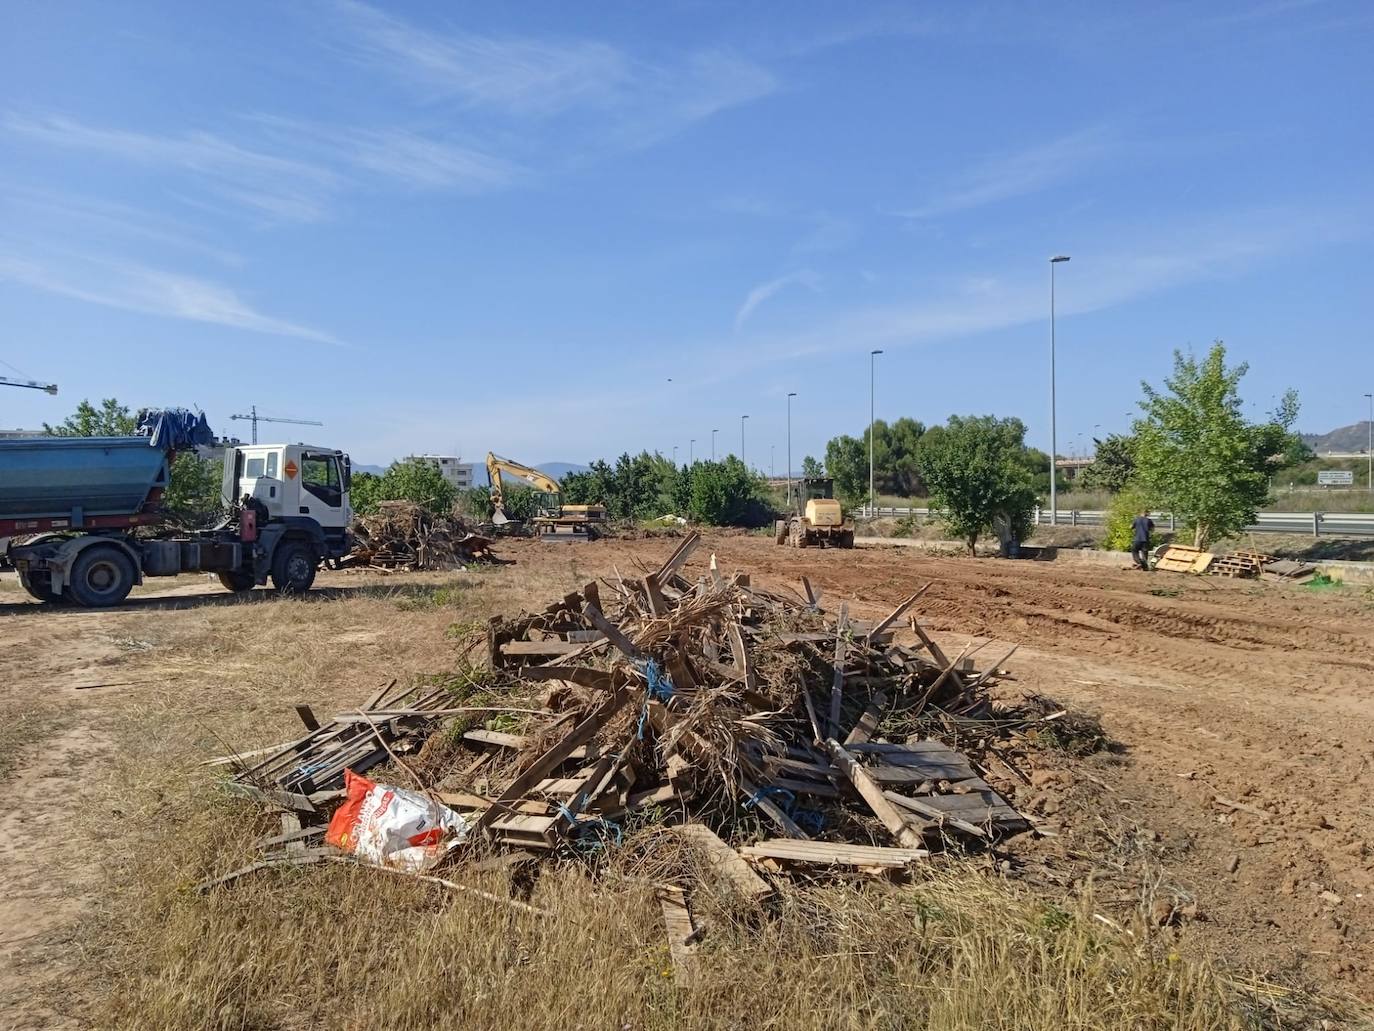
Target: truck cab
[{"x": 293, "y": 483}]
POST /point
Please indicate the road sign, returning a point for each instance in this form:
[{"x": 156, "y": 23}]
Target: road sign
[{"x": 1336, "y": 478}]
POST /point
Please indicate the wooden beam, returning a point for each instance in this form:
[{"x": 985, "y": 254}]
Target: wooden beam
[
  {"x": 677, "y": 923},
  {"x": 724, "y": 862},
  {"x": 678, "y": 558},
  {"x": 896, "y": 613},
  {"x": 868, "y": 722},
  {"x": 933, "y": 813},
  {"x": 612, "y": 632},
  {"x": 841, "y": 653},
  {"x": 934, "y": 650},
  {"x": 828, "y": 854},
  {"x": 867, "y": 787}
]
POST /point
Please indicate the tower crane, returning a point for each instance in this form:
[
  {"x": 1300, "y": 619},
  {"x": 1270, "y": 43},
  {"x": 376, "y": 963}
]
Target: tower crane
[{"x": 255, "y": 418}]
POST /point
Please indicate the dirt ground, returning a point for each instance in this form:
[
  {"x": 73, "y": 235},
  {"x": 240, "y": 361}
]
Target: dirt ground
[{"x": 1238, "y": 793}]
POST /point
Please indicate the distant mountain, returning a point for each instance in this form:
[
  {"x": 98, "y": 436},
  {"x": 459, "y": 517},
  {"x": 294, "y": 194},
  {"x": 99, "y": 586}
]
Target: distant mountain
[
  {"x": 1352, "y": 439},
  {"x": 376, "y": 470}
]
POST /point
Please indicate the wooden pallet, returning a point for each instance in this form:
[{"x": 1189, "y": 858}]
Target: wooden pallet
[
  {"x": 1177, "y": 558},
  {"x": 1236, "y": 567}
]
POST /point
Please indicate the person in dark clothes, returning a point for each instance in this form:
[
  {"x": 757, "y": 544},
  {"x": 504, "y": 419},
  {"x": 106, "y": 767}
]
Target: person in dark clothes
[{"x": 1141, "y": 528}]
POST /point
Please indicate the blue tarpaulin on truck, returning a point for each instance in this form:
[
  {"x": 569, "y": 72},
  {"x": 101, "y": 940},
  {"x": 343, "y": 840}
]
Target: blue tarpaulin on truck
[{"x": 176, "y": 428}]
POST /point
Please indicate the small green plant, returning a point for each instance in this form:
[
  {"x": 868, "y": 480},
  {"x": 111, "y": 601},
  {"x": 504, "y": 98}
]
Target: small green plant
[{"x": 1322, "y": 582}]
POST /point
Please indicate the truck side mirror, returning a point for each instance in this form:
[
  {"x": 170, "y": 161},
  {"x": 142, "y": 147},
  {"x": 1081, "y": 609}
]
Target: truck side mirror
[{"x": 347, "y": 464}]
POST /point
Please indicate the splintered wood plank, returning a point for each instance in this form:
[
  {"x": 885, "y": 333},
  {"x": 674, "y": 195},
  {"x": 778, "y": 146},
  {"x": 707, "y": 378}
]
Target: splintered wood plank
[
  {"x": 994, "y": 667},
  {"x": 678, "y": 558},
  {"x": 677, "y": 923},
  {"x": 897, "y": 613},
  {"x": 827, "y": 854},
  {"x": 612, "y": 632},
  {"x": 868, "y": 722},
  {"x": 583, "y": 676},
  {"x": 922, "y": 807},
  {"x": 658, "y": 605},
  {"x": 551, "y": 647},
  {"x": 841, "y": 652},
  {"x": 741, "y": 655},
  {"x": 896, "y": 823},
  {"x": 551, "y": 759},
  {"x": 813, "y": 596},
  {"x": 934, "y": 650},
  {"x": 769, "y": 808},
  {"x": 725, "y": 863}
]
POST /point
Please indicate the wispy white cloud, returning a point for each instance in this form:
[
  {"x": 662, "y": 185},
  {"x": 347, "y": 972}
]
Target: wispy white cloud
[
  {"x": 761, "y": 293},
  {"x": 1024, "y": 172},
  {"x": 292, "y": 170},
  {"x": 628, "y": 102},
  {"x": 149, "y": 291},
  {"x": 517, "y": 75}
]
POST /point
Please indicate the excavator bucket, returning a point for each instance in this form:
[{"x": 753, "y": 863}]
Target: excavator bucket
[{"x": 498, "y": 516}]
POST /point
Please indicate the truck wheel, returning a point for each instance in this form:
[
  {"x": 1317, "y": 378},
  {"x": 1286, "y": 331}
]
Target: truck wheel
[
  {"x": 237, "y": 582},
  {"x": 102, "y": 575},
  {"x": 780, "y": 531},
  {"x": 293, "y": 568},
  {"x": 847, "y": 539},
  {"x": 39, "y": 585}
]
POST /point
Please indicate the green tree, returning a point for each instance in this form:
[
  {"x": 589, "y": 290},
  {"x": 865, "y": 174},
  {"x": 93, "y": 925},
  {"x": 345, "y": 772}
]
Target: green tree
[
  {"x": 193, "y": 495},
  {"x": 976, "y": 470},
  {"x": 1113, "y": 464},
  {"x": 846, "y": 459},
  {"x": 726, "y": 493},
  {"x": 1198, "y": 456},
  {"x": 111, "y": 419},
  {"x": 811, "y": 467},
  {"x": 365, "y": 492},
  {"x": 413, "y": 480}
]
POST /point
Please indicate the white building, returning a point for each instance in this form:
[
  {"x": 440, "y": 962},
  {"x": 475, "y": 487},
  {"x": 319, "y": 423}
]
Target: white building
[{"x": 457, "y": 473}]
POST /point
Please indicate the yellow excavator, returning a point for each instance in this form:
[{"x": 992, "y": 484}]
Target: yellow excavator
[
  {"x": 551, "y": 515},
  {"x": 821, "y": 522}
]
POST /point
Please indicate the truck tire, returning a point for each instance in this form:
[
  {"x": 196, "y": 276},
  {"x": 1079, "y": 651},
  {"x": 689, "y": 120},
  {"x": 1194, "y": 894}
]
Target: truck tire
[
  {"x": 293, "y": 567},
  {"x": 780, "y": 531},
  {"x": 39, "y": 585},
  {"x": 237, "y": 582},
  {"x": 847, "y": 539},
  {"x": 102, "y": 575}
]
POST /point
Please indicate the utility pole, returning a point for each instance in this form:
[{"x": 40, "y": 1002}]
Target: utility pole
[
  {"x": 771, "y": 449},
  {"x": 674, "y": 456},
  {"x": 692, "y": 451},
  {"x": 713, "y": 444},
  {"x": 1054, "y": 438},
  {"x": 741, "y": 440},
  {"x": 255, "y": 418},
  {"x": 1370, "y": 451},
  {"x": 872, "y": 365},
  {"x": 789, "y": 449}
]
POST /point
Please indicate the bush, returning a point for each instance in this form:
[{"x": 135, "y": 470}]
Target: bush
[
  {"x": 415, "y": 480},
  {"x": 1125, "y": 506}
]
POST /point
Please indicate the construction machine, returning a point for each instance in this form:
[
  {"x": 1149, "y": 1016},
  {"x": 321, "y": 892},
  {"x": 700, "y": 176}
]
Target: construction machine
[
  {"x": 551, "y": 515},
  {"x": 820, "y": 520}
]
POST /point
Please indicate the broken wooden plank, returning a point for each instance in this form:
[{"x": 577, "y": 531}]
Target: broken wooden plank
[
  {"x": 868, "y": 721},
  {"x": 837, "y": 683},
  {"x": 724, "y": 862},
  {"x": 896, "y": 824},
  {"x": 677, "y": 924},
  {"x": 612, "y": 632},
  {"x": 897, "y": 613},
  {"x": 922, "y": 808},
  {"x": 307, "y": 716},
  {"x": 830, "y": 854},
  {"x": 541, "y": 648},
  {"x": 677, "y": 559}
]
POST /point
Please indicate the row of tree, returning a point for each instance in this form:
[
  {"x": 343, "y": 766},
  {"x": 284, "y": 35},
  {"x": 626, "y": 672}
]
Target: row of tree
[
  {"x": 645, "y": 486},
  {"x": 897, "y": 466}
]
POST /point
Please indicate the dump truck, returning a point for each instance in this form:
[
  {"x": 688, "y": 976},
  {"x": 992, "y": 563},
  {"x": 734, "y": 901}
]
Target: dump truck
[
  {"x": 819, "y": 522},
  {"x": 82, "y": 518}
]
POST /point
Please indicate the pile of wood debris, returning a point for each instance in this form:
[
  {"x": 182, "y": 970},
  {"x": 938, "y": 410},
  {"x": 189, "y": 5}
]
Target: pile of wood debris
[
  {"x": 402, "y": 535},
  {"x": 767, "y": 730},
  {"x": 1178, "y": 558}
]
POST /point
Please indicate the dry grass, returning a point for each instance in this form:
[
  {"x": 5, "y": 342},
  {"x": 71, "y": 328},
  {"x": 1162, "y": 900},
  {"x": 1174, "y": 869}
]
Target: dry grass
[{"x": 336, "y": 946}]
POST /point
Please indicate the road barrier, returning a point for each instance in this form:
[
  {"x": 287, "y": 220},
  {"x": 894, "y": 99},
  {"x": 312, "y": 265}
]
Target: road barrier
[{"x": 1318, "y": 524}]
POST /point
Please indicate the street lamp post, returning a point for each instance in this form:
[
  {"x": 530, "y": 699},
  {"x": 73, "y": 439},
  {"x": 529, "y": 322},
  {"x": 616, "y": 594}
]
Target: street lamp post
[
  {"x": 713, "y": 444},
  {"x": 1054, "y": 437},
  {"x": 1370, "y": 452},
  {"x": 674, "y": 456},
  {"x": 872, "y": 365},
  {"x": 789, "y": 449},
  {"x": 741, "y": 440},
  {"x": 692, "y": 451},
  {"x": 771, "y": 449}
]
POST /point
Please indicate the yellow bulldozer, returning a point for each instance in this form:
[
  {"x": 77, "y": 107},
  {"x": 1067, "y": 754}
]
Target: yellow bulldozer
[{"x": 821, "y": 519}]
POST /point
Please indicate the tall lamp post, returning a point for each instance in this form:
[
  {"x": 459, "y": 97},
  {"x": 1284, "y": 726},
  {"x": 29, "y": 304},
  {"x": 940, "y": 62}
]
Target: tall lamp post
[
  {"x": 771, "y": 449},
  {"x": 1370, "y": 452},
  {"x": 713, "y": 444},
  {"x": 1054, "y": 436},
  {"x": 741, "y": 440},
  {"x": 674, "y": 456},
  {"x": 872, "y": 365},
  {"x": 692, "y": 451},
  {"x": 789, "y": 449}
]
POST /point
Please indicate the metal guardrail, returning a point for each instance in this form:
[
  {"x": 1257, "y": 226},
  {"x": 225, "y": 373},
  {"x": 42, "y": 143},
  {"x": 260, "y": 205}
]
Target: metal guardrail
[{"x": 1318, "y": 524}]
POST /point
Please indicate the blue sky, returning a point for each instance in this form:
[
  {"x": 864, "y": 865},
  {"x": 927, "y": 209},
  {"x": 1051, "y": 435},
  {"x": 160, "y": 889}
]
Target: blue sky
[{"x": 454, "y": 227}]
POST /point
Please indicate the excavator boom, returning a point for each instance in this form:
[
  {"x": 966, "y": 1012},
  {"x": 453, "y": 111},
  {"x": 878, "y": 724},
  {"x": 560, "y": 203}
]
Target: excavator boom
[{"x": 553, "y": 513}]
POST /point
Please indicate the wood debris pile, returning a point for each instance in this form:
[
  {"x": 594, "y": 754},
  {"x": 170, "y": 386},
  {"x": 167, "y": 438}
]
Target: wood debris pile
[
  {"x": 733, "y": 713},
  {"x": 402, "y": 535},
  {"x": 1246, "y": 565}
]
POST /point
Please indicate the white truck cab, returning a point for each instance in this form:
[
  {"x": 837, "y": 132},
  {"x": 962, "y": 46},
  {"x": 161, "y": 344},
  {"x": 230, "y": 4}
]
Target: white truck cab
[{"x": 291, "y": 481}]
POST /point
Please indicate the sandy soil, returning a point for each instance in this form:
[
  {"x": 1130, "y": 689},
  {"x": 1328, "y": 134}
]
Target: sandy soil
[{"x": 1257, "y": 694}]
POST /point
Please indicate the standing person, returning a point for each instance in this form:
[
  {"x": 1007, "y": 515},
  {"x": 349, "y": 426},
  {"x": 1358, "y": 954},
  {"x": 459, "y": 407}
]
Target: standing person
[{"x": 1141, "y": 528}]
